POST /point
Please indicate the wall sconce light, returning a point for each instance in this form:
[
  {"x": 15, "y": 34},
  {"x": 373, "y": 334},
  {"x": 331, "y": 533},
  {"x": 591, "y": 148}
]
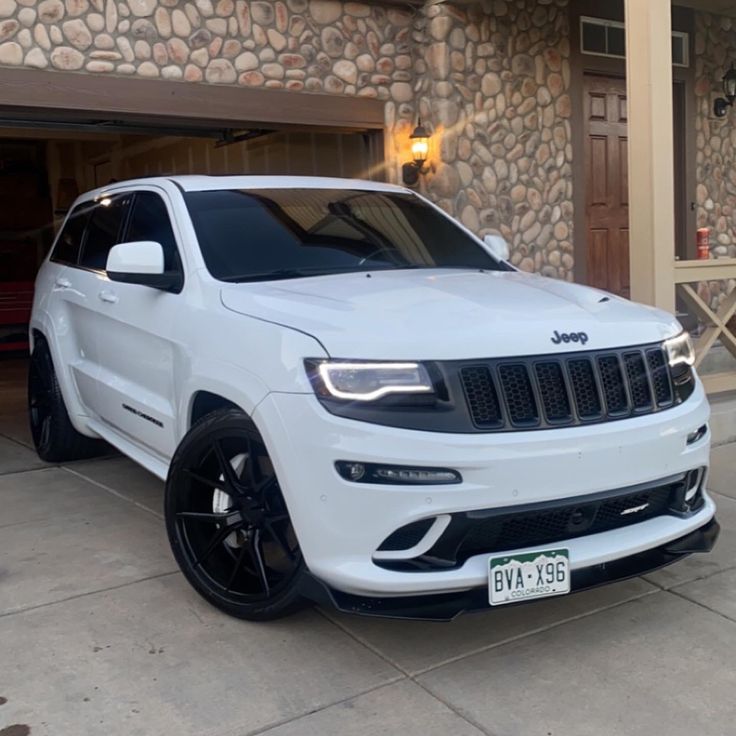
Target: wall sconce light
[
  {"x": 419, "y": 150},
  {"x": 721, "y": 105}
]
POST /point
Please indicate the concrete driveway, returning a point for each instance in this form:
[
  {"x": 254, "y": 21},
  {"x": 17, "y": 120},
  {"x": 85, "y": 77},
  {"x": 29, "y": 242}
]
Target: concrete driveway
[{"x": 99, "y": 634}]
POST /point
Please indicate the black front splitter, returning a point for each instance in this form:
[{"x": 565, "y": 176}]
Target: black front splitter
[{"x": 447, "y": 606}]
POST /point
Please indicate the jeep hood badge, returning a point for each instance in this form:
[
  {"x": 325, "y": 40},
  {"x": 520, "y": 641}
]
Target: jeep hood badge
[{"x": 581, "y": 337}]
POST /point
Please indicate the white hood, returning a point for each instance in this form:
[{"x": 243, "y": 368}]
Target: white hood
[{"x": 446, "y": 314}]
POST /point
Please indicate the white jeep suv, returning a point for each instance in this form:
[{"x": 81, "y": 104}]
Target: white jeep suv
[{"x": 354, "y": 400}]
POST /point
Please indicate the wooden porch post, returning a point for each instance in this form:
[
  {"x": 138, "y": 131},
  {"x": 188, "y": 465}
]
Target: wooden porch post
[{"x": 651, "y": 166}]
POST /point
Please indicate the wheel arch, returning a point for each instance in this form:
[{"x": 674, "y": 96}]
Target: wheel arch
[
  {"x": 41, "y": 331},
  {"x": 213, "y": 384},
  {"x": 35, "y": 335},
  {"x": 202, "y": 403}
]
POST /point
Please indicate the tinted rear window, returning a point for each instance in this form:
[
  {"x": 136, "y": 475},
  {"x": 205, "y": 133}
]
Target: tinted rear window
[
  {"x": 69, "y": 241},
  {"x": 281, "y": 233}
]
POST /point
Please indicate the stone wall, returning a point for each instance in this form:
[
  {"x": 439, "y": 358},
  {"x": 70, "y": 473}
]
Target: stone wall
[
  {"x": 318, "y": 45},
  {"x": 715, "y": 49},
  {"x": 715, "y": 142},
  {"x": 490, "y": 77},
  {"x": 493, "y": 78}
]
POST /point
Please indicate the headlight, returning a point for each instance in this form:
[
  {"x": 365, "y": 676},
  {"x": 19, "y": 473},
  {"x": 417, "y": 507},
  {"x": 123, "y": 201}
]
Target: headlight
[
  {"x": 367, "y": 381},
  {"x": 680, "y": 350}
]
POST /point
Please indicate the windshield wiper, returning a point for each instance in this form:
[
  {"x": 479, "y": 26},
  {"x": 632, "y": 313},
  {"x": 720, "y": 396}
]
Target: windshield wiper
[
  {"x": 280, "y": 273},
  {"x": 306, "y": 271},
  {"x": 295, "y": 273}
]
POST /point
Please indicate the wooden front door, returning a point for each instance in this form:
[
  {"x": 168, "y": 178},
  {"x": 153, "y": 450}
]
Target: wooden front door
[{"x": 606, "y": 184}]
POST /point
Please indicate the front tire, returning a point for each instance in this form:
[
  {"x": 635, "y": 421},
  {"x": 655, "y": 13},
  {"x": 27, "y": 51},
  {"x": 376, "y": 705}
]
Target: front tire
[
  {"x": 53, "y": 434},
  {"x": 227, "y": 521}
]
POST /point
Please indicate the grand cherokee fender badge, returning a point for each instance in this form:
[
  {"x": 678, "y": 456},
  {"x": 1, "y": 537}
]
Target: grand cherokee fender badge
[
  {"x": 143, "y": 415},
  {"x": 581, "y": 337}
]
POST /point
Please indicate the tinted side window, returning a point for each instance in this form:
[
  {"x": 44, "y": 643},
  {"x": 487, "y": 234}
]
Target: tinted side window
[
  {"x": 70, "y": 238},
  {"x": 103, "y": 230},
  {"x": 150, "y": 221}
]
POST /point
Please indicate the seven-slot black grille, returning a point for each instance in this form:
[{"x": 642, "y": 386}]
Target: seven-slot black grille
[{"x": 562, "y": 390}]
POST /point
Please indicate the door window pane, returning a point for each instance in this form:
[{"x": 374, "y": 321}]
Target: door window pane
[
  {"x": 67, "y": 245},
  {"x": 616, "y": 41},
  {"x": 103, "y": 230},
  {"x": 680, "y": 49},
  {"x": 150, "y": 221},
  {"x": 594, "y": 38}
]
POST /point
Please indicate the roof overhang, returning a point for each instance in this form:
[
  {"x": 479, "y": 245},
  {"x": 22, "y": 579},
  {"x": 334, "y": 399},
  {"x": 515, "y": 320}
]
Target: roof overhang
[{"x": 108, "y": 103}]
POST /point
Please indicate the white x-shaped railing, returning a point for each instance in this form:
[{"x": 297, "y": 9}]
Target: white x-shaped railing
[{"x": 687, "y": 274}]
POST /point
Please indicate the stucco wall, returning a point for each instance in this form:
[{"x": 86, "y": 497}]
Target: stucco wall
[{"x": 491, "y": 78}]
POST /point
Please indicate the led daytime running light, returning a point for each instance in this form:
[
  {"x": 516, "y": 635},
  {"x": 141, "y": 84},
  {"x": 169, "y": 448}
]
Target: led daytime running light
[
  {"x": 325, "y": 369},
  {"x": 359, "y": 472}
]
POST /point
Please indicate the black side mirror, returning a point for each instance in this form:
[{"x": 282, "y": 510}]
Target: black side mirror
[{"x": 172, "y": 281}]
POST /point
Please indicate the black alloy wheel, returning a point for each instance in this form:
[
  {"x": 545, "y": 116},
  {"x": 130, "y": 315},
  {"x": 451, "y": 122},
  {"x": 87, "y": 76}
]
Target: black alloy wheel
[{"x": 228, "y": 523}]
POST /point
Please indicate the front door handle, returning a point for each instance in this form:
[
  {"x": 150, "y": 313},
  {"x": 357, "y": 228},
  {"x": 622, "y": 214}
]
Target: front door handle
[
  {"x": 63, "y": 283},
  {"x": 108, "y": 296}
]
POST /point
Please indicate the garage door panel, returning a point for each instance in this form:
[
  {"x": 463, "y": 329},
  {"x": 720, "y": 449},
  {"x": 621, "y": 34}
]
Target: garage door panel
[
  {"x": 328, "y": 155},
  {"x": 257, "y": 161},
  {"x": 217, "y": 161},
  {"x": 354, "y": 158},
  {"x": 299, "y": 154}
]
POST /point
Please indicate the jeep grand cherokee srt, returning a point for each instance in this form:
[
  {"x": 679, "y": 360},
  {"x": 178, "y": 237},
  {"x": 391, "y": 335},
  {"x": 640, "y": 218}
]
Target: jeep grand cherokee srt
[{"x": 354, "y": 400}]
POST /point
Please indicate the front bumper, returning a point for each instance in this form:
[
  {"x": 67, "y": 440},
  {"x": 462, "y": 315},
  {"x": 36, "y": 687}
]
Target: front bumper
[
  {"x": 447, "y": 606},
  {"x": 340, "y": 524}
]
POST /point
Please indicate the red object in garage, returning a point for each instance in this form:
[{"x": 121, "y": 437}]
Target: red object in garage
[{"x": 16, "y": 298}]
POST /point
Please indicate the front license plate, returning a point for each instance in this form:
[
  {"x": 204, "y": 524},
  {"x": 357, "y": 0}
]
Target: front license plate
[{"x": 516, "y": 578}]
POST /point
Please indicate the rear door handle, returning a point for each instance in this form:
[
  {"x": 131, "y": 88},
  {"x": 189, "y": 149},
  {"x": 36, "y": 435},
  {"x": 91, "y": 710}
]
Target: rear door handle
[
  {"x": 108, "y": 296},
  {"x": 63, "y": 283}
]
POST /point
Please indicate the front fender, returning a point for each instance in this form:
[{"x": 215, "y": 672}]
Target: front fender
[
  {"x": 277, "y": 367},
  {"x": 235, "y": 384}
]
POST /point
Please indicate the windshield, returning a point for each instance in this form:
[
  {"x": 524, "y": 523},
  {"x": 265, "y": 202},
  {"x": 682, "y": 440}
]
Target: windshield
[{"x": 265, "y": 234}]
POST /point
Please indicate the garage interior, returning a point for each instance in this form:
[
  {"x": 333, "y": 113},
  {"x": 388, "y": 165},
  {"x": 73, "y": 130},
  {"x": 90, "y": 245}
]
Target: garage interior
[{"x": 49, "y": 155}]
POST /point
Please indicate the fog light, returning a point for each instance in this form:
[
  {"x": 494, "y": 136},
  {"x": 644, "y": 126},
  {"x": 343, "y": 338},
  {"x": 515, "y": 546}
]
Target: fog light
[
  {"x": 396, "y": 474},
  {"x": 353, "y": 471}
]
